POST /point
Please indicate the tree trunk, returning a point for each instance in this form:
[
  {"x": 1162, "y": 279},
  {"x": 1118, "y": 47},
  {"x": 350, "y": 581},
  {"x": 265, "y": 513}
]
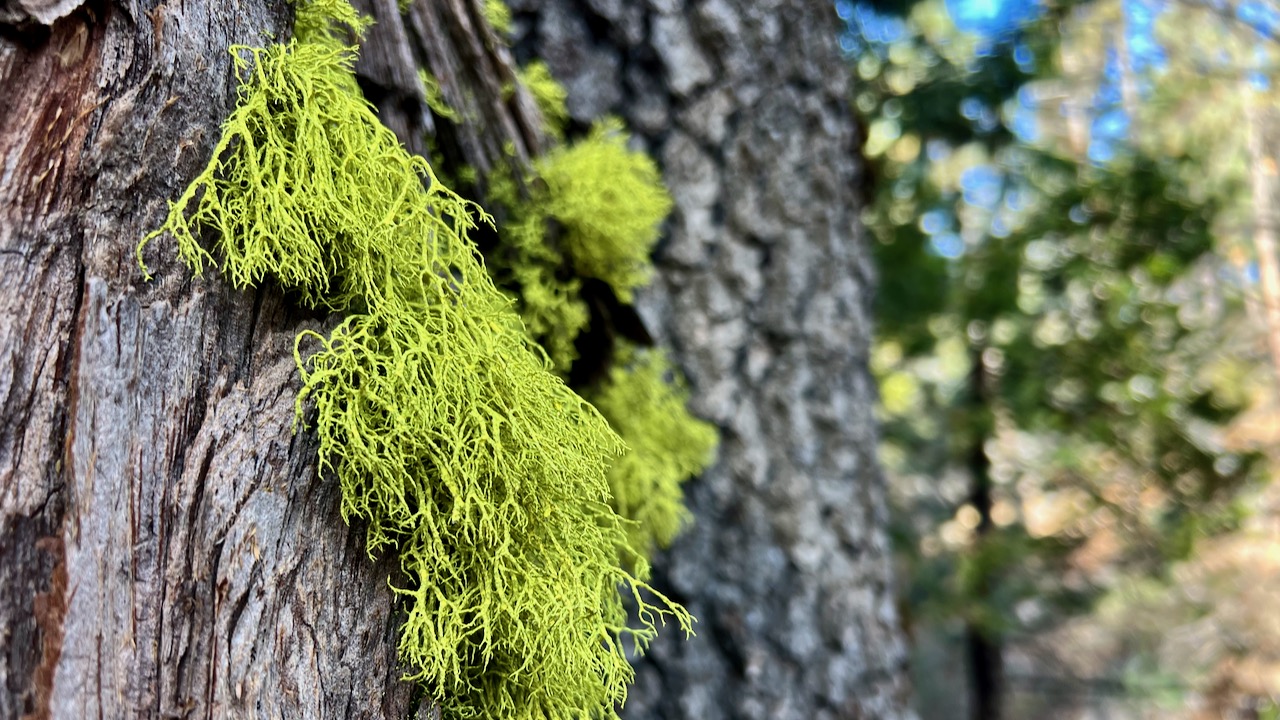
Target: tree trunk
[
  {"x": 983, "y": 648},
  {"x": 763, "y": 291},
  {"x": 166, "y": 547},
  {"x": 1264, "y": 176}
]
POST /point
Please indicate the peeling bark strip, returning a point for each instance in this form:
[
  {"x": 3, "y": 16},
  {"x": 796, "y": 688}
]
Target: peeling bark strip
[
  {"x": 166, "y": 548},
  {"x": 50, "y": 613},
  {"x": 45, "y": 12}
]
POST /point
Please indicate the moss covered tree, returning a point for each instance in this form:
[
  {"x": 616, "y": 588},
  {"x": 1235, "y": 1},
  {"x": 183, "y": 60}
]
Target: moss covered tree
[{"x": 170, "y": 547}]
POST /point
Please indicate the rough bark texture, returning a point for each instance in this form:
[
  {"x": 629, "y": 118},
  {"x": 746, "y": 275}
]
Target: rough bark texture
[
  {"x": 763, "y": 289},
  {"x": 451, "y": 40},
  {"x": 166, "y": 548}
]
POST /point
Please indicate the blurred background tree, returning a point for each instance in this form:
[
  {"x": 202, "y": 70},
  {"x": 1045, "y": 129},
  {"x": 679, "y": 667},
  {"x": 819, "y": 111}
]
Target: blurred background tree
[{"x": 1078, "y": 292}]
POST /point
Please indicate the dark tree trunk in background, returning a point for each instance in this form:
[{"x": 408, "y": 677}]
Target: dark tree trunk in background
[
  {"x": 166, "y": 548},
  {"x": 983, "y": 651}
]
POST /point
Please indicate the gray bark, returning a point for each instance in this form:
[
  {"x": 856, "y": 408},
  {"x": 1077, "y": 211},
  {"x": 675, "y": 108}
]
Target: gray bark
[
  {"x": 166, "y": 547},
  {"x": 763, "y": 288}
]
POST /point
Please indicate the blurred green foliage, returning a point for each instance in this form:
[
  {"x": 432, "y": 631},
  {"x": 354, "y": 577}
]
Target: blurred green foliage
[{"x": 1050, "y": 336}]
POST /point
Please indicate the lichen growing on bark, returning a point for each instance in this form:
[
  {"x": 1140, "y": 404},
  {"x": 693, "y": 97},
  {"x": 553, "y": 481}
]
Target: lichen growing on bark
[
  {"x": 529, "y": 264},
  {"x": 434, "y": 96},
  {"x": 593, "y": 209},
  {"x": 646, "y": 402},
  {"x": 612, "y": 203},
  {"x": 590, "y": 209},
  {"x": 498, "y": 15},
  {"x": 448, "y": 436},
  {"x": 548, "y": 94}
]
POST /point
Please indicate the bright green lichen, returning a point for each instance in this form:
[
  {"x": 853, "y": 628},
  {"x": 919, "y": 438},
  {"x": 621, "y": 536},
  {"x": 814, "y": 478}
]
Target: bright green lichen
[
  {"x": 552, "y": 307},
  {"x": 548, "y": 94},
  {"x": 611, "y": 201},
  {"x": 498, "y": 15},
  {"x": 530, "y": 266},
  {"x": 329, "y": 22},
  {"x": 644, "y": 399},
  {"x": 592, "y": 209},
  {"x": 447, "y": 434},
  {"x": 435, "y": 97}
]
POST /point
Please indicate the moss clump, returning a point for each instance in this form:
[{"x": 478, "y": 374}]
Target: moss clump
[
  {"x": 611, "y": 202},
  {"x": 440, "y": 421},
  {"x": 548, "y": 94},
  {"x": 645, "y": 401}
]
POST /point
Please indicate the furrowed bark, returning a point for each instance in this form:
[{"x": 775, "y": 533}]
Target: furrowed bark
[
  {"x": 762, "y": 290},
  {"x": 166, "y": 546}
]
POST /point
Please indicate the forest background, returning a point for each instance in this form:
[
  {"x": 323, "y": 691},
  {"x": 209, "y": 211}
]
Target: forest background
[{"x": 1079, "y": 332}]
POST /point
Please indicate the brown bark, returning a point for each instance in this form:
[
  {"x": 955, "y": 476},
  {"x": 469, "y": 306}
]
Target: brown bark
[
  {"x": 450, "y": 39},
  {"x": 166, "y": 547}
]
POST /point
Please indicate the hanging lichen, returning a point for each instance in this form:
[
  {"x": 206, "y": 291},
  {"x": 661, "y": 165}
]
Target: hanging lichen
[
  {"x": 334, "y": 23},
  {"x": 592, "y": 209},
  {"x": 645, "y": 401},
  {"x": 444, "y": 429},
  {"x": 601, "y": 205},
  {"x": 434, "y": 96},
  {"x": 498, "y": 15}
]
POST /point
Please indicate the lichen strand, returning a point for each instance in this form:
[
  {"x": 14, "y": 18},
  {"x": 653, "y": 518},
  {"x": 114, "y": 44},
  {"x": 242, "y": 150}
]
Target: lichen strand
[
  {"x": 645, "y": 400},
  {"x": 548, "y": 94},
  {"x": 528, "y": 264},
  {"x": 611, "y": 201},
  {"x": 445, "y": 430},
  {"x": 552, "y": 308},
  {"x": 435, "y": 97},
  {"x": 335, "y": 23}
]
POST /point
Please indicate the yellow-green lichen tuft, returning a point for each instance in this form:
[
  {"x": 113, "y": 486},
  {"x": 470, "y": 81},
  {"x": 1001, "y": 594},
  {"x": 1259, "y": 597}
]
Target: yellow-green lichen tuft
[
  {"x": 529, "y": 264},
  {"x": 548, "y": 94},
  {"x": 611, "y": 201},
  {"x": 644, "y": 399},
  {"x": 329, "y": 22},
  {"x": 435, "y": 97},
  {"x": 498, "y": 15},
  {"x": 552, "y": 307},
  {"x": 447, "y": 434}
]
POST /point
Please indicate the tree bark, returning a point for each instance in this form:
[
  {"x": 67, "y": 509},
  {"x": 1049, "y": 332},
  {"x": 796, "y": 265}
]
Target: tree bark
[
  {"x": 984, "y": 650},
  {"x": 166, "y": 549},
  {"x": 166, "y": 546},
  {"x": 763, "y": 290}
]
